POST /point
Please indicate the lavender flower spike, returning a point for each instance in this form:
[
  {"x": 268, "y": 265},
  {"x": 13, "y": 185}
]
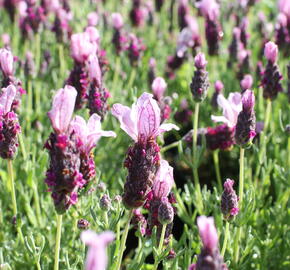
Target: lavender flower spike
[
  {"x": 97, "y": 258},
  {"x": 207, "y": 232},
  {"x": 142, "y": 121},
  {"x": 158, "y": 88},
  {"x": 246, "y": 123},
  {"x": 271, "y": 51},
  {"x": 229, "y": 201}
]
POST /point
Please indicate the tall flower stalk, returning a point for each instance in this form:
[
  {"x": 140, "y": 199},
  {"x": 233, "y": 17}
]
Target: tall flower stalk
[
  {"x": 198, "y": 87},
  {"x": 244, "y": 134}
]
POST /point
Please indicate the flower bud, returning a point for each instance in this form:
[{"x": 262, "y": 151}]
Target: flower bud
[
  {"x": 246, "y": 83},
  {"x": 105, "y": 203},
  {"x": 229, "y": 200},
  {"x": 271, "y": 51},
  {"x": 165, "y": 212},
  {"x": 83, "y": 224}
]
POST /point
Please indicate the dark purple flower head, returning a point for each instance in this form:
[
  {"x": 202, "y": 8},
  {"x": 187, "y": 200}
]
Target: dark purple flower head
[
  {"x": 165, "y": 212},
  {"x": 135, "y": 49},
  {"x": 199, "y": 84},
  {"x": 246, "y": 123},
  {"x": 229, "y": 200}
]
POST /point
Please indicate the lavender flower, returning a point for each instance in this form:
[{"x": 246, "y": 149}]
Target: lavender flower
[
  {"x": 98, "y": 95},
  {"x": 96, "y": 257},
  {"x": 9, "y": 125},
  {"x": 210, "y": 10},
  {"x": 271, "y": 76},
  {"x": 142, "y": 124},
  {"x": 183, "y": 11},
  {"x": 209, "y": 258},
  {"x": 229, "y": 200},
  {"x": 119, "y": 39},
  {"x": 137, "y": 13},
  {"x": 135, "y": 49},
  {"x": 246, "y": 123},
  {"x": 218, "y": 87},
  {"x": 199, "y": 84},
  {"x": 246, "y": 83},
  {"x": 71, "y": 161}
]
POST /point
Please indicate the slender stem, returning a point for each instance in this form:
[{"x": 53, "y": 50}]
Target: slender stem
[
  {"x": 132, "y": 78},
  {"x": 227, "y": 233},
  {"x": 38, "y": 265},
  {"x": 267, "y": 114},
  {"x": 217, "y": 169},
  {"x": 241, "y": 194},
  {"x": 57, "y": 241},
  {"x": 61, "y": 60},
  {"x": 169, "y": 146},
  {"x": 116, "y": 73},
  {"x": 288, "y": 152},
  {"x": 263, "y": 141},
  {"x": 123, "y": 241},
  {"x": 37, "y": 205},
  {"x": 14, "y": 204},
  {"x": 194, "y": 158},
  {"x": 106, "y": 220},
  {"x": 160, "y": 246}
]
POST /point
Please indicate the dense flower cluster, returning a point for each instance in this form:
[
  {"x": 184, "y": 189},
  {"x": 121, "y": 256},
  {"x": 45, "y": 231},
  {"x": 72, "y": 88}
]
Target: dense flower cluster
[{"x": 72, "y": 165}]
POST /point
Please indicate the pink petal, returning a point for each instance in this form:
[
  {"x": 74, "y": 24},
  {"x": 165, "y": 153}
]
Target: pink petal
[
  {"x": 148, "y": 116},
  {"x": 158, "y": 87},
  {"x": 7, "y": 97},
  {"x": 207, "y": 232},
  {"x": 127, "y": 118},
  {"x": 94, "y": 69},
  {"x": 167, "y": 127},
  {"x": 62, "y": 108}
]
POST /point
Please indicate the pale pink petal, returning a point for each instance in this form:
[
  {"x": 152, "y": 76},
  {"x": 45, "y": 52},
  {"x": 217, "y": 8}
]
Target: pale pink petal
[
  {"x": 207, "y": 232},
  {"x": 221, "y": 119},
  {"x": 158, "y": 87},
  {"x": 62, "y": 108},
  {"x": 6, "y": 62},
  {"x": 97, "y": 257},
  {"x": 127, "y": 118},
  {"x": 7, "y": 97},
  {"x": 94, "y": 69},
  {"x": 163, "y": 181},
  {"x": 167, "y": 127},
  {"x": 148, "y": 116}
]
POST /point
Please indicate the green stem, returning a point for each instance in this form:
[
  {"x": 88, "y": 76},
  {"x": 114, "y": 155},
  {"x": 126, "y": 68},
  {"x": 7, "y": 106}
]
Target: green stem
[
  {"x": 217, "y": 169},
  {"x": 194, "y": 158},
  {"x": 106, "y": 220},
  {"x": 227, "y": 233},
  {"x": 57, "y": 241},
  {"x": 123, "y": 241},
  {"x": 61, "y": 61},
  {"x": 38, "y": 265},
  {"x": 288, "y": 152},
  {"x": 156, "y": 262},
  {"x": 241, "y": 194},
  {"x": 14, "y": 204},
  {"x": 37, "y": 52},
  {"x": 116, "y": 73},
  {"x": 37, "y": 205},
  {"x": 263, "y": 141},
  {"x": 169, "y": 146},
  {"x": 132, "y": 78}
]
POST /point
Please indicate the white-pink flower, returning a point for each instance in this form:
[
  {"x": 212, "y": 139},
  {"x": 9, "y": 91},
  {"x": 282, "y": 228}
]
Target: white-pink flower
[
  {"x": 89, "y": 133},
  {"x": 6, "y": 98},
  {"x": 6, "y": 62},
  {"x": 207, "y": 232},
  {"x": 62, "y": 108},
  {"x": 164, "y": 180},
  {"x": 81, "y": 47},
  {"x": 97, "y": 258},
  {"x": 142, "y": 121},
  {"x": 231, "y": 109},
  {"x": 284, "y": 7},
  {"x": 93, "y": 18},
  {"x": 158, "y": 87},
  {"x": 94, "y": 35}
]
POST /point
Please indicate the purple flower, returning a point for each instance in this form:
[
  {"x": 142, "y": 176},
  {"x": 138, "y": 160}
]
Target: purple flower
[
  {"x": 207, "y": 232},
  {"x": 81, "y": 47},
  {"x": 246, "y": 82},
  {"x": 6, "y": 62},
  {"x": 62, "y": 109},
  {"x": 271, "y": 51},
  {"x": 229, "y": 200},
  {"x": 209, "y": 9},
  {"x": 231, "y": 109},
  {"x": 97, "y": 258},
  {"x": 163, "y": 181},
  {"x": 199, "y": 61},
  {"x": 93, "y": 18},
  {"x": 142, "y": 121},
  {"x": 284, "y": 7},
  {"x": 89, "y": 133},
  {"x": 117, "y": 21},
  {"x": 158, "y": 88},
  {"x": 9, "y": 125}
]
